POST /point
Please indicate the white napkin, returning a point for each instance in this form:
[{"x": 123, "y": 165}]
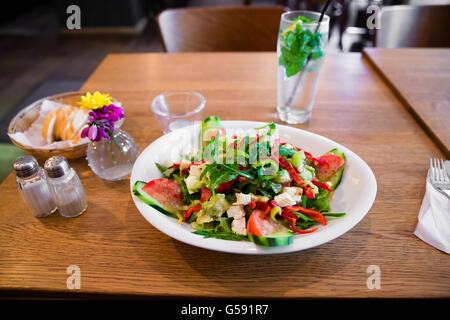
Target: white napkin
[{"x": 434, "y": 219}]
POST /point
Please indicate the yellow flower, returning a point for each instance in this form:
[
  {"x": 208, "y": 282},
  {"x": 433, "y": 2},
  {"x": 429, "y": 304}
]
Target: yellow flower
[{"x": 94, "y": 101}]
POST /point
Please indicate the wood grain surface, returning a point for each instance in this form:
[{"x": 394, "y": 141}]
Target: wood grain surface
[
  {"x": 118, "y": 252},
  {"x": 421, "y": 80}
]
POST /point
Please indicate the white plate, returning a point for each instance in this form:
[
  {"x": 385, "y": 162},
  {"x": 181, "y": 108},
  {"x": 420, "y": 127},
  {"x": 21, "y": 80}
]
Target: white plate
[{"x": 354, "y": 196}]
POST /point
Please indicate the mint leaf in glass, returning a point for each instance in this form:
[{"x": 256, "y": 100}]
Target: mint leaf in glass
[
  {"x": 297, "y": 44},
  {"x": 303, "y": 19}
]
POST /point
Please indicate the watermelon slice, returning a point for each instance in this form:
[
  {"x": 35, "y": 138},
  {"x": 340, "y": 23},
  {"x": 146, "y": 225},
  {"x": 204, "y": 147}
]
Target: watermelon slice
[
  {"x": 162, "y": 194},
  {"x": 326, "y": 170},
  {"x": 332, "y": 171}
]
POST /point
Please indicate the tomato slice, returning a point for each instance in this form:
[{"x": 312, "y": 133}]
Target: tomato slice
[
  {"x": 166, "y": 192},
  {"x": 259, "y": 224},
  {"x": 191, "y": 210},
  {"x": 224, "y": 187},
  {"x": 326, "y": 170},
  {"x": 205, "y": 195}
]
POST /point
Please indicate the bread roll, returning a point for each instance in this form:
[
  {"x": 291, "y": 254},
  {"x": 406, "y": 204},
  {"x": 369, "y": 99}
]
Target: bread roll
[
  {"x": 48, "y": 126},
  {"x": 64, "y": 123}
]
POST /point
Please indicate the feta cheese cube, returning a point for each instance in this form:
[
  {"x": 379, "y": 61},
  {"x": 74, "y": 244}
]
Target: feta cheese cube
[
  {"x": 196, "y": 170},
  {"x": 242, "y": 198},
  {"x": 283, "y": 178},
  {"x": 236, "y": 211},
  {"x": 193, "y": 182},
  {"x": 284, "y": 200},
  {"x": 239, "y": 226},
  {"x": 294, "y": 192}
]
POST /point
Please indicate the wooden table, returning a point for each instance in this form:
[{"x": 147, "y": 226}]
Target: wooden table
[
  {"x": 420, "y": 78},
  {"x": 118, "y": 252}
]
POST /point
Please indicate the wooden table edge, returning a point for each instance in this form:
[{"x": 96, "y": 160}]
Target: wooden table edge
[{"x": 441, "y": 145}]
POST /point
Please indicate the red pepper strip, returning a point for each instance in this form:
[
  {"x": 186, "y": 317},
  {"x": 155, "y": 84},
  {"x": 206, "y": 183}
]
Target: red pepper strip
[
  {"x": 205, "y": 195},
  {"x": 224, "y": 187},
  {"x": 309, "y": 156},
  {"x": 321, "y": 185},
  {"x": 294, "y": 175},
  {"x": 176, "y": 165},
  {"x": 252, "y": 204},
  {"x": 289, "y": 214},
  {"x": 318, "y": 161},
  {"x": 306, "y": 152},
  {"x": 308, "y": 191},
  {"x": 273, "y": 203},
  {"x": 192, "y": 210},
  {"x": 196, "y": 163},
  {"x": 313, "y": 214},
  {"x": 184, "y": 172},
  {"x": 293, "y": 226}
]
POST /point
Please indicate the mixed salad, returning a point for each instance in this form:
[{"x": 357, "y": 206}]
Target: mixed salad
[{"x": 247, "y": 187}]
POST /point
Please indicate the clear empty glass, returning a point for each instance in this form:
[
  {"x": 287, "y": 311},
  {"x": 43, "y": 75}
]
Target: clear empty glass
[
  {"x": 178, "y": 109},
  {"x": 300, "y": 59}
]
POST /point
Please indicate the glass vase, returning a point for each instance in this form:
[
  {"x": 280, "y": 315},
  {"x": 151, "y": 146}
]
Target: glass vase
[{"x": 113, "y": 159}]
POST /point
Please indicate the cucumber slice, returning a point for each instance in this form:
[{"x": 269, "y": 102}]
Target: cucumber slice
[
  {"x": 336, "y": 178},
  {"x": 283, "y": 238},
  {"x": 145, "y": 197}
]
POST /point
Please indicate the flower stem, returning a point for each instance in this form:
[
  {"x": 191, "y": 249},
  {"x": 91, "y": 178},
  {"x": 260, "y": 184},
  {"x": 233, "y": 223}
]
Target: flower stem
[
  {"x": 113, "y": 157},
  {"x": 113, "y": 138}
]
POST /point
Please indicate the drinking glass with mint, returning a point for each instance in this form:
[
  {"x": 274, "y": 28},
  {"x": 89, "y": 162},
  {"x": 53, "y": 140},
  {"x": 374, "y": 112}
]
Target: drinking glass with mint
[{"x": 300, "y": 53}]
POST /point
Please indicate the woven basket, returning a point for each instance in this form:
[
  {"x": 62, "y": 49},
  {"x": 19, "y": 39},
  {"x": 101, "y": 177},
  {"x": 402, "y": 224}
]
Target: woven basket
[{"x": 23, "y": 120}]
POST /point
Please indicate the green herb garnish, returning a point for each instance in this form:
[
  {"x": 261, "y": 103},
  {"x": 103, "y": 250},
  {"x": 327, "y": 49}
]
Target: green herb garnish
[{"x": 297, "y": 44}]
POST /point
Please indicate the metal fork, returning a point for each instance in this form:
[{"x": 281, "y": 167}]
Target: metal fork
[{"x": 438, "y": 176}]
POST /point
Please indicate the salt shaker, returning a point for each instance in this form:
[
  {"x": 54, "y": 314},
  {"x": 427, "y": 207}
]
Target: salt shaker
[
  {"x": 33, "y": 186},
  {"x": 66, "y": 187}
]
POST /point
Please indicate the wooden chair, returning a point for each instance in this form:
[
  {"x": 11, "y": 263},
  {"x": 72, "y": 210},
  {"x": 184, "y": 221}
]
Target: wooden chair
[
  {"x": 414, "y": 26},
  {"x": 244, "y": 28}
]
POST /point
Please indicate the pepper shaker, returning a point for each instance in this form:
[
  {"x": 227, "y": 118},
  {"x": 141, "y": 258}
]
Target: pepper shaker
[
  {"x": 66, "y": 187},
  {"x": 33, "y": 186}
]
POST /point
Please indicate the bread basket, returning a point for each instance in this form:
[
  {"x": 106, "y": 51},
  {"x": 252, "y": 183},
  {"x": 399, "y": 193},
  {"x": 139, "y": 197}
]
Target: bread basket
[{"x": 23, "y": 120}]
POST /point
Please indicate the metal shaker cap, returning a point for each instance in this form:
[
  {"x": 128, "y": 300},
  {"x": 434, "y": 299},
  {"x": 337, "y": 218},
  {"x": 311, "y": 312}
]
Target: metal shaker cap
[
  {"x": 56, "y": 167},
  {"x": 26, "y": 166}
]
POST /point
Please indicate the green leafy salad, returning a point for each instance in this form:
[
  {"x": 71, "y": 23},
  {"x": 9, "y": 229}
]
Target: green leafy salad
[{"x": 247, "y": 187}]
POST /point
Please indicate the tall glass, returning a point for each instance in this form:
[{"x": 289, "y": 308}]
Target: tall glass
[{"x": 300, "y": 53}]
